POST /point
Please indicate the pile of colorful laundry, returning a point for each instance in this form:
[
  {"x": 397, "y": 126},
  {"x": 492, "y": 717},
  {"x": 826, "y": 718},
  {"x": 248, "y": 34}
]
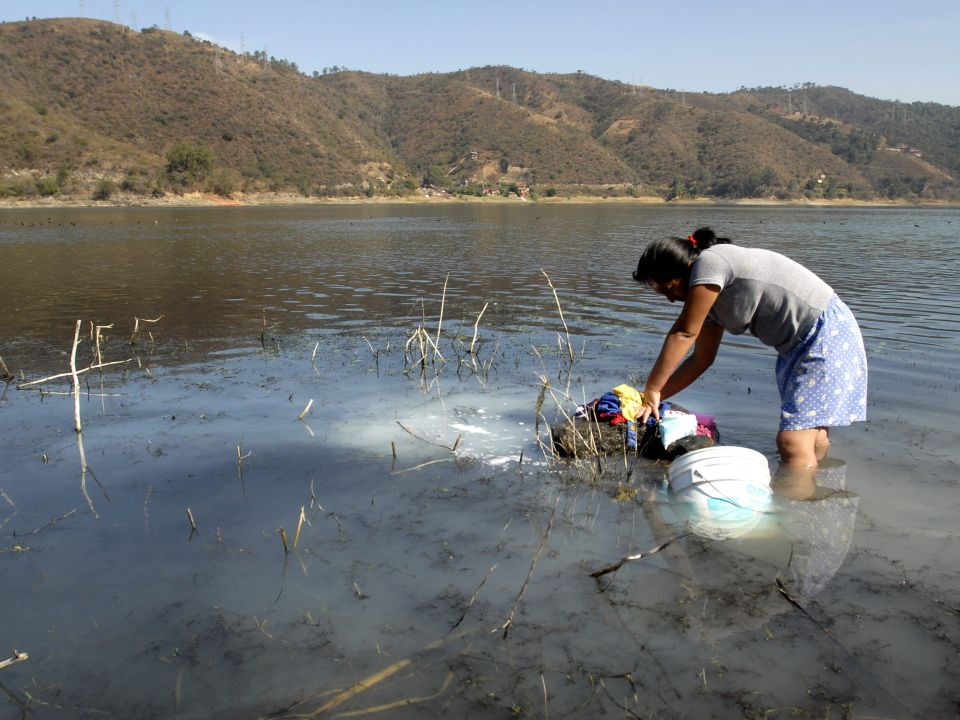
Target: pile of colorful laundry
[{"x": 623, "y": 405}]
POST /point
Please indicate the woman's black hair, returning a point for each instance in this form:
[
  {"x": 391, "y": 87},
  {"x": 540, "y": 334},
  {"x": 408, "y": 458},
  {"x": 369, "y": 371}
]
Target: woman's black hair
[{"x": 671, "y": 257}]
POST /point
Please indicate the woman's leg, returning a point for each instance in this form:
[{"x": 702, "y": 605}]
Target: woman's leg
[
  {"x": 822, "y": 443},
  {"x": 798, "y": 462},
  {"x": 798, "y": 448}
]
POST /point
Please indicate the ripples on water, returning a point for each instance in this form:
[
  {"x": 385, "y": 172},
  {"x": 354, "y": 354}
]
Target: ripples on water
[{"x": 223, "y": 624}]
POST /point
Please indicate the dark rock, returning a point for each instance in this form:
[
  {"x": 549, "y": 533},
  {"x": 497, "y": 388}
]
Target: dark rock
[{"x": 580, "y": 437}]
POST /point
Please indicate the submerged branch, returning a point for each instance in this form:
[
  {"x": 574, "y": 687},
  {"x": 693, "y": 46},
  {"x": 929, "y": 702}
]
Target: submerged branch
[{"x": 639, "y": 556}]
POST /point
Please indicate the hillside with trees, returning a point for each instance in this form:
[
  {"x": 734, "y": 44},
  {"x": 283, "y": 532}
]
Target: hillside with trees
[{"x": 92, "y": 109}]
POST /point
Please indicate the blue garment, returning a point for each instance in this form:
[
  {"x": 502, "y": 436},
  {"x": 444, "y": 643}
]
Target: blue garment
[
  {"x": 823, "y": 380},
  {"x": 608, "y": 404}
]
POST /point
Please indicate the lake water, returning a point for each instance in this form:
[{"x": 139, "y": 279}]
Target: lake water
[{"x": 432, "y": 514}]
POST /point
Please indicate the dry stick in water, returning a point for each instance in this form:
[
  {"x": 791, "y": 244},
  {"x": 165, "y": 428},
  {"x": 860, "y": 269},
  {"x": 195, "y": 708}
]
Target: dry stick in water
[
  {"x": 560, "y": 310},
  {"x": 451, "y": 448},
  {"x": 306, "y": 409},
  {"x": 18, "y": 657},
  {"x": 368, "y": 682},
  {"x": 375, "y": 353},
  {"x": 76, "y": 380},
  {"x": 544, "y": 683},
  {"x": 296, "y": 536},
  {"x": 421, "y": 465},
  {"x": 639, "y": 556},
  {"x": 4, "y": 371},
  {"x": 193, "y": 523},
  {"x": 283, "y": 539},
  {"x": 136, "y": 325},
  {"x": 472, "y": 600},
  {"x": 96, "y": 341},
  {"x": 475, "y": 326},
  {"x": 49, "y": 524},
  {"x": 404, "y": 703},
  {"x": 240, "y": 458},
  {"x": 443, "y": 300},
  {"x": 533, "y": 566},
  {"x": 70, "y": 374}
]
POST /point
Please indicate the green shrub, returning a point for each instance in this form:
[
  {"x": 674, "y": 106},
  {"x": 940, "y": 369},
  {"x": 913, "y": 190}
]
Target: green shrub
[
  {"x": 104, "y": 190},
  {"x": 47, "y": 186},
  {"x": 132, "y": 185},
  {"x": 224, "y": 183},
  {"x": 192, "y": 161}
]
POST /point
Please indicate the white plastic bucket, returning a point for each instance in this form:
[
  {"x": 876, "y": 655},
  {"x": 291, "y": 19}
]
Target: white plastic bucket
[{"x": 725, "y": 490}]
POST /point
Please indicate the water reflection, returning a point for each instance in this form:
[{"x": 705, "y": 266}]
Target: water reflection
[{"x": 820, "y": 528}]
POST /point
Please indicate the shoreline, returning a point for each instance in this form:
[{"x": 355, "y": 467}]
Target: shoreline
[{"x": 199, "y": 200}]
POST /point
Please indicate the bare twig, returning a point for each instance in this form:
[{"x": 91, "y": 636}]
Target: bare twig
[
  {"x": 17, "y": 657},
  {"x": 306, "y": 409},
  {"x": 560, "y": 310},
  {"x": 296, "y": 536},
  {"x": 473, "y": 599},
  {"x": 4, "y": 371},
  {"x": 96, "y": 366},
  {"x": 313, "y": 498},
  {"x": 136, "y": 325},
  {"x": 76, "y": 380},
  {"x": 371, "y": 680},
  {"x": 53, "y": 522},
  {"x": 96, "y": 340},
  {"x": 451, "y": 448},
  {"x": 639, "y": 556},
  {"x": 421, "y": 465},
  {"x": 544, "y": 683},
  {"x": 475, "y": 326},
  {"x": 443, "y": 300},
  {"x": 533, "y": 566},
  {"x": 193, "y": 523}
]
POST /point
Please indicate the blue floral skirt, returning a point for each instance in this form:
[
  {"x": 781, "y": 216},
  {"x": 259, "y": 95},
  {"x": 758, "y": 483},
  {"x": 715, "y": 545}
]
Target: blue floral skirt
[{"x": 823, "y": 380}]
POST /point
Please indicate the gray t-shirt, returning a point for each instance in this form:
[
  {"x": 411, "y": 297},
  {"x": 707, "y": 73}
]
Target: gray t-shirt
[{"x": 774, "y": 298}]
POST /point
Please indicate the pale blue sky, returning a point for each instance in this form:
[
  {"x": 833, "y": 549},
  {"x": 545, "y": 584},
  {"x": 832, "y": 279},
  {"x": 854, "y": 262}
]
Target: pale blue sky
[{"x": 892, "y": 49}]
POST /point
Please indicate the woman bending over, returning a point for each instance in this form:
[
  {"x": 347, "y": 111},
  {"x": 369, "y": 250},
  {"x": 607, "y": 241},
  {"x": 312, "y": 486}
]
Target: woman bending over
[{"x": 821, "y": 364}]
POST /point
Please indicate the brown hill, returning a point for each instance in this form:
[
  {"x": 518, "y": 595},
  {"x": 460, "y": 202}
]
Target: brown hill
[
  {"x": 84, "y": 94},
  {"x": 87, "y": 102}
]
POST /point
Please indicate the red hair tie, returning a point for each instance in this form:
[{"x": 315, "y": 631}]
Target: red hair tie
[{"x": 692, "y": 239}]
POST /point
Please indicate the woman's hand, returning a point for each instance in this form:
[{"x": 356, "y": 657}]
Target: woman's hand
[{"x": 651, "y": 407}]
